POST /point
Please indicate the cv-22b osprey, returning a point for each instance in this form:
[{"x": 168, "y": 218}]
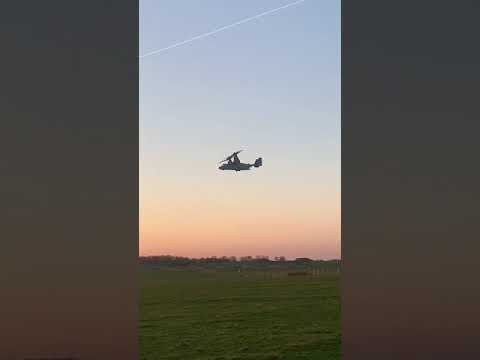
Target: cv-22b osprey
[{"x": 236, "y": 164}]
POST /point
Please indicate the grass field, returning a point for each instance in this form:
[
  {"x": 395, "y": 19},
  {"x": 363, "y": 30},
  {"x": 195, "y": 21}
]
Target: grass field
[{"x": 207, "y": 315}]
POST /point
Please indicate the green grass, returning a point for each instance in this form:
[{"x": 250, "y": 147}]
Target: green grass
[{"x": 213, "y": 315}]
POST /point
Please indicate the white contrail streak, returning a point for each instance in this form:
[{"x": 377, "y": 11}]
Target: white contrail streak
[{"x": 220, "y": 29}]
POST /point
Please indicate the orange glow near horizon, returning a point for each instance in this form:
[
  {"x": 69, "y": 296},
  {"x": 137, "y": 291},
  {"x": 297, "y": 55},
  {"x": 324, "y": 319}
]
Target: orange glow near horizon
[{"x": 200, "y": 223}]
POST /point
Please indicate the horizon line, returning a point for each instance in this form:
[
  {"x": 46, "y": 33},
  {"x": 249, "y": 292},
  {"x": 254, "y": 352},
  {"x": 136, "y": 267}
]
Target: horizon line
[{"x": 240, "y": 256}]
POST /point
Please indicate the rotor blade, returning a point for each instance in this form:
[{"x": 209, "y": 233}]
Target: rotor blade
[
  {"x": 235, "y": 153},
  {"x": 229, "y": 157},
  {"x": 226, "y": 159}
]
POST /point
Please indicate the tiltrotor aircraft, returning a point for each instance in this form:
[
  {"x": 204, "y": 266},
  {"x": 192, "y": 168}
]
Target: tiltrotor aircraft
[{"x": 236, "y": 164}]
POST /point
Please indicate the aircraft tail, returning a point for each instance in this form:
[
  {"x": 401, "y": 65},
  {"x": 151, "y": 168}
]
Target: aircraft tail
[{"x": 258, "y": 162}]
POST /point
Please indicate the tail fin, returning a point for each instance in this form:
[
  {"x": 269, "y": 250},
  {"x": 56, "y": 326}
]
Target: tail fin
[{"x": 258, "y": 162}]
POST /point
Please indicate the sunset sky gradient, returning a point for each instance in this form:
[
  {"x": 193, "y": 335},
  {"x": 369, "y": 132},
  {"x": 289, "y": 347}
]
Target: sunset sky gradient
[{"x": 270, "y": 87}]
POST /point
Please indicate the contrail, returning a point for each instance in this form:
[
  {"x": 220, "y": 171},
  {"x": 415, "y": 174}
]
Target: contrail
[{"x": 220, "y": 29}]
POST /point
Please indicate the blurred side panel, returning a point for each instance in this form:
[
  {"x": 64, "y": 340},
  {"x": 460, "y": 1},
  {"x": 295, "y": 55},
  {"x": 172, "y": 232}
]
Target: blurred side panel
[{"x": 69, "y": 179}]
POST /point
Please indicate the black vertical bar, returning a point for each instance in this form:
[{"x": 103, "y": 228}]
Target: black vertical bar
[{"x": 69, "y": 179}]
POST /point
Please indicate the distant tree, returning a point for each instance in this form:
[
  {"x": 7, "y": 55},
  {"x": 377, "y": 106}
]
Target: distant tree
[{"x": 243, "y": 262}]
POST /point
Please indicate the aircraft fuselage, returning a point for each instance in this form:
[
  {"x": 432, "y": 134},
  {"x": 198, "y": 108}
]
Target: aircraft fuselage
[{"x": 236, "y": 166}]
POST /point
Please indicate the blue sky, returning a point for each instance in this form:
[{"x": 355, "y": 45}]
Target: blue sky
[{"x": 270, "y": 87}]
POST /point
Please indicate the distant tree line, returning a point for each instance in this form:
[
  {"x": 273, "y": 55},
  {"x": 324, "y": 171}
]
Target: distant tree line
[{"x": 238, "y": 262}]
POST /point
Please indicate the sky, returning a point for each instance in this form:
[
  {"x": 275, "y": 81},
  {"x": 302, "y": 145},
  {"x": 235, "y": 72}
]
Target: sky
[{"x": 270, "y": 87}]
